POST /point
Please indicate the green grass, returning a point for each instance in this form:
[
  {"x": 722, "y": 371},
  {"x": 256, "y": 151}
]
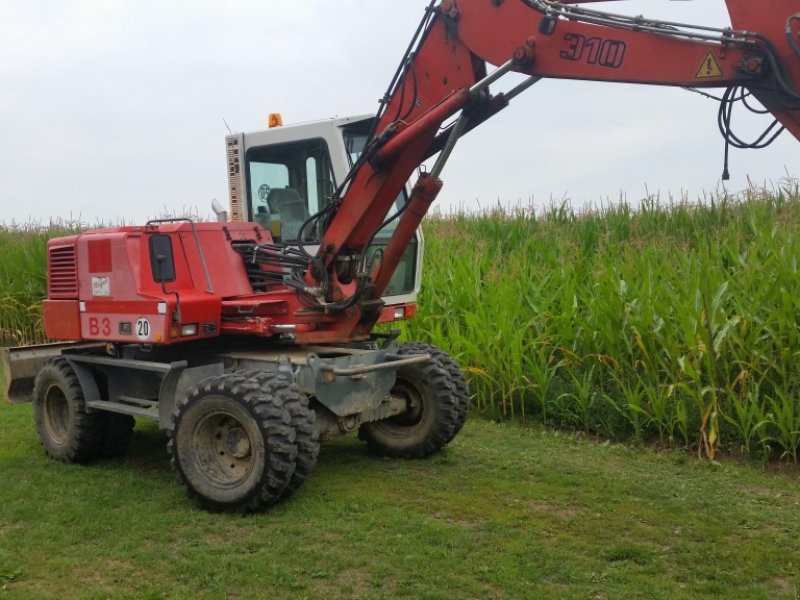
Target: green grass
[{"x": 504, "y": 512}]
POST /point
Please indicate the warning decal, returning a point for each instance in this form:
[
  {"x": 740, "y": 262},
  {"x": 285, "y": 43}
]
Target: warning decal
[{"x": 710, "y": 67}]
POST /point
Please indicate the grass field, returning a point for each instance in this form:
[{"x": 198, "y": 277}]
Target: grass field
[{"x": 504, "y": 512}]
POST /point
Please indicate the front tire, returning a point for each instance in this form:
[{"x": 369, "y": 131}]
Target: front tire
[
  {"x": 67, "y": 432},
  {"x": 302, "y": 419},
  {"x": 232, "y": 444},
  {"x": 433, "y": 412}
]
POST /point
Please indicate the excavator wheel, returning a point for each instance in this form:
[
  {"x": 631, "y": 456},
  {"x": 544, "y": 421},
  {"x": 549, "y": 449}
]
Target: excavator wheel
[
  {"x": 67, "y": 432},
  {"x": 434, "y": 411},
  {"x": 302, "y": 421},
  {"x": 232, "y": 443},
  {"x": 456, "y": 377}
]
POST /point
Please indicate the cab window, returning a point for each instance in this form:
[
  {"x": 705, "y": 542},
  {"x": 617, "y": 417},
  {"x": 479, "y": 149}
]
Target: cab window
[
  {"x": 286, "y": 184},
  {"x": 355, "y": 139},
  {"x": 402, "y": 282}
]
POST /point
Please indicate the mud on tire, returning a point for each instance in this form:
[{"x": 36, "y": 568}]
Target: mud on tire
[
  {"x": 232, "y": 443},
  {"x": 460, "y": 386},
  {"x": 434, "y": 413},
  {"x": 302, "y": 419}
]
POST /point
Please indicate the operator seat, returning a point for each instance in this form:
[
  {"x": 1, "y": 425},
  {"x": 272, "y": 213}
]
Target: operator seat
[{"x": 292, "y": 209}]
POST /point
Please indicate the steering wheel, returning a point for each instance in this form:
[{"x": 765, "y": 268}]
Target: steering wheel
[{"x": 263, "y": 192}]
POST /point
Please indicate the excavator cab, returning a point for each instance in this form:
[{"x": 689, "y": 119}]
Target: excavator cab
[{"x": 282, "y": 176}]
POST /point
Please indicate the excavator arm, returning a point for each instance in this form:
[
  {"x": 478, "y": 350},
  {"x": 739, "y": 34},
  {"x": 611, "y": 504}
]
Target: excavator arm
[{"x": 442, "y": 90}]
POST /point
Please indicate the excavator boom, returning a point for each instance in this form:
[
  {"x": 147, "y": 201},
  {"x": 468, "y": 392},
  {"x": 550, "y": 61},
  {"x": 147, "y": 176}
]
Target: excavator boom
[
  {"x": 212, "y": 279},
  {"x": 464, "y": 46}
]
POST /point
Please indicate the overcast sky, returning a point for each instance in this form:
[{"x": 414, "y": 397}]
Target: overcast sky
[{"x": 113, "y": 110}]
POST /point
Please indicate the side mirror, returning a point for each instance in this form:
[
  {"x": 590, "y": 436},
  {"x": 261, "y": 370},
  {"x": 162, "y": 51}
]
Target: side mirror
[{"x": 162, "y": 260}]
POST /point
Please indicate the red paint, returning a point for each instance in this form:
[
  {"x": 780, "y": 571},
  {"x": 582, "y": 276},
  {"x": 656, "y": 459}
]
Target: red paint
[
  {"x": 769, "y": 18},
  {"x": 122, "y": 306},
  {"x": 61, "y": 319},
  {"x": 99, "y": 256}
]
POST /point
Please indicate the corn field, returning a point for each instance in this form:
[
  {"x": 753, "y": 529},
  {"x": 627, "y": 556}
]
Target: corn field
[
  {"x": 675, "y": 324},
  {"x": 668, "y": 323},
  {"x": 23, "y": 283}
]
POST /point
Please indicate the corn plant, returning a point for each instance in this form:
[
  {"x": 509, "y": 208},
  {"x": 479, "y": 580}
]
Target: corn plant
[
  {"x": 23, "y": 280},
  {"x": 664, "y": 320}
]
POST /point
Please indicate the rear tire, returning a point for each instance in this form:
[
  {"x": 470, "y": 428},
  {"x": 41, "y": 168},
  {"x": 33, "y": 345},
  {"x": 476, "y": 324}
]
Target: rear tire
[
  {"x": 67, "y": 432},
  {"x": 432, "y": 415},
  {"x": 460, "y": 386},
  {"x": 232, "y": 444}
]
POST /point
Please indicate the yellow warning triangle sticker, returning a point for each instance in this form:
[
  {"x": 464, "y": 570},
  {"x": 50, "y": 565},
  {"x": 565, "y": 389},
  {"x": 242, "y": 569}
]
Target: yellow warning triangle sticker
[{"x": 710, "y": 67}]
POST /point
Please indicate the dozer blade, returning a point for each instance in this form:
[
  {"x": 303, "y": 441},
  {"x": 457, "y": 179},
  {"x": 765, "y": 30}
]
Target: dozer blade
[{"x": 20, "y": 366}]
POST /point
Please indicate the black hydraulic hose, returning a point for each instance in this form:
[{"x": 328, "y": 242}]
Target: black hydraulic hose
[
  {"x": 731, "y": 139},
  {"x": 778, "y": 68},
  {"x": 724, "y": 122},
  {"x": 408, "y": 51},
  {"x": 313, "y": 218}
]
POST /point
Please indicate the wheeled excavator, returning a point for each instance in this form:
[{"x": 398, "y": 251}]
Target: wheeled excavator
[{"x": 252, "y": 337}]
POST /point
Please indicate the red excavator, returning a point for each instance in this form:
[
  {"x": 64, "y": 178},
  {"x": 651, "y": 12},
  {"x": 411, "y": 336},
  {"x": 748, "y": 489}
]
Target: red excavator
[{"x": 250, "y": 338}]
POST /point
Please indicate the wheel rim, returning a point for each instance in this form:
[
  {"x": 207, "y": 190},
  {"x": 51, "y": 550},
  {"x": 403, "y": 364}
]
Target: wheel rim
[
  {"x": 56, "y": 414},
  {"x": 222, "y": 447},
  {"x": 414, "y": 402}
]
